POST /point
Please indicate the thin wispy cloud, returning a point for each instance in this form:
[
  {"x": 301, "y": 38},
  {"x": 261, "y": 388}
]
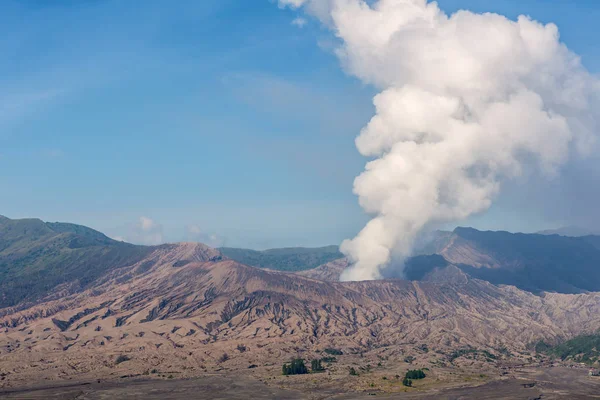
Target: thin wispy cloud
[
  {"x": 144, "y": 231},
  {"x": 194, "y": 233},
  {"x": 299, "y": 22}
]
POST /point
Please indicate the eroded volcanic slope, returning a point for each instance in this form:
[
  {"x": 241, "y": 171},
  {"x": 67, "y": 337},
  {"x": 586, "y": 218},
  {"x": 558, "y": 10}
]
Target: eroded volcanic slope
[
  {"x": 532, "y": 262},
  {"x": 183, "y": 306}
]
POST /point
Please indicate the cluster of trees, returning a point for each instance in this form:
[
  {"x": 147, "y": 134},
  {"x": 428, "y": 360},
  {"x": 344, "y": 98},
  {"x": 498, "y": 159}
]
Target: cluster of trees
[
  {"x": 412, "y": 374},
  {"x": 415, "y": 374},
  {"x": 297, "y": 367}
]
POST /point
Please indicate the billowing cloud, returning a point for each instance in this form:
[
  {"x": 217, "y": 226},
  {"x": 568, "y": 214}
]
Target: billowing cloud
[{"x": 467, "y": 102}]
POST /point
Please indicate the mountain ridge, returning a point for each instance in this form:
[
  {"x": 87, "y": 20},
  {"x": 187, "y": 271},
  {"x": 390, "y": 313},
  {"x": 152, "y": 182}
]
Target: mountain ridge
[
  {"x": 188, "y": 308},
  {"x": 573, "y": 231},
  {"x": 284, "y": 259},
  {"x": 35, "y": 258}
]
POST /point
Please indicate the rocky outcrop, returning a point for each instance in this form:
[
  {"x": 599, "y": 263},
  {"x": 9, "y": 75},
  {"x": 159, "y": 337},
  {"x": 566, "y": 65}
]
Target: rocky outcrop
[{"x": 330, "y": 271}]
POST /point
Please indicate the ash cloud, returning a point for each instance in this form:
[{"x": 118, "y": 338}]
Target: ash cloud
[{"x": 467, "y": 102}]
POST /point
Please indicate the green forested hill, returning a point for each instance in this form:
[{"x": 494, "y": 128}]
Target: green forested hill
[
  {"x": 286, "y": 259},
  {"x": 36, "y": 257},
  {"x": 584, "y": 349}
]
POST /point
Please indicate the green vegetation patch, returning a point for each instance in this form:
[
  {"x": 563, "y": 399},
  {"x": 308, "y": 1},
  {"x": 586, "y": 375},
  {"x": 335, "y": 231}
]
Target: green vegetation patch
[
  {"x": 291, "y": 259},
  {"x": 415, "y": 374},
  {"x": 472, "y": 353},
  {"x": 412, "y": 374},
  {"x": 585, "y": 349},
  {"x": 296, "y": 367},
  {"x": 316, "y": 366},
  {"x": 36, "y": 257}
]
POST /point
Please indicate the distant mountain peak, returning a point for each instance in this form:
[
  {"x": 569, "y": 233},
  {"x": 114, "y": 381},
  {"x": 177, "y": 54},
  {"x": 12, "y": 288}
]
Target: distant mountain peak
[{"x": 573, "y": 231}]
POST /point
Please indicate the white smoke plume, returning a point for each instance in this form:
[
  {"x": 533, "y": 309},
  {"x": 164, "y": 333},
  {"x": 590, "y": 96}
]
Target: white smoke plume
[{"x": 467, "y": 101}]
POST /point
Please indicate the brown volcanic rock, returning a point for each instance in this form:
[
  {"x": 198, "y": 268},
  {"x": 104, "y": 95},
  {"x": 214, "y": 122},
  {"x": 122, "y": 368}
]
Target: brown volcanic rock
[
  {"x": 184, "y": 306},
  {"x": 330, "y": 271},
  {"x": 461, "y": 251}
]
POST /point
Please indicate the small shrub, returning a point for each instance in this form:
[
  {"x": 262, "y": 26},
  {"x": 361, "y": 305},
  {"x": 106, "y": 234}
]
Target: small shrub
[
  {"x": 316, "y": 366},
  {"x": 333, "y": 352},
  {"x": 122, "y": 358},
  {"x": 241, "y": 348},
  {"x": 406, "y": 382},
  {"x": 353, "y": 371},
  {"x": 224, "y": 357}
]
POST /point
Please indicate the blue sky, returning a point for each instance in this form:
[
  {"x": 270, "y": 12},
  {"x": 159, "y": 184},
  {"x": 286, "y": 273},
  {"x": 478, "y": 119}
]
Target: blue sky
[{"x": 219, "y": 120}]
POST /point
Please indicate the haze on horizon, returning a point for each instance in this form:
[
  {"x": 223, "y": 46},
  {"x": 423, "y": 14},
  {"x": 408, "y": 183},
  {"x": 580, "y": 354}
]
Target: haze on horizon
[{"x": 176, "y": 126}]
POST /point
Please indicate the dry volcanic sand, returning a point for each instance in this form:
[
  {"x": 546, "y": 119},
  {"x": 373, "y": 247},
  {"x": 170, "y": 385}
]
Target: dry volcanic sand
[{"x": 335, "y": 383}]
